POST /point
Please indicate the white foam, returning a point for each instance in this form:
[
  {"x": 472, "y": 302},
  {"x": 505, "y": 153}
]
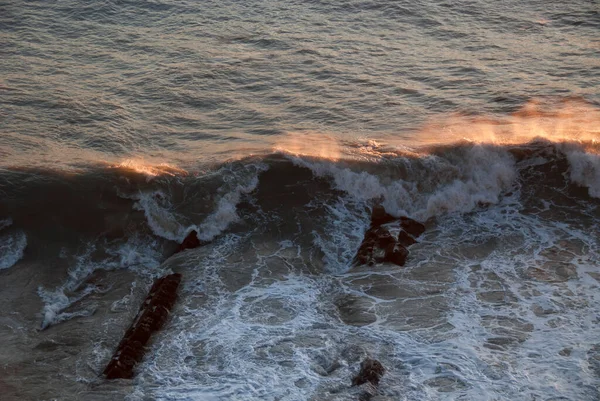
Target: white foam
[
  {"x": 457, "y": 182},
  {"x": 164, "y": 223},
  {"x": 123, "y": 303},
  {"x": 161, "y": 220},
  {"x": 361, "y": 185},
  {"x": 226, "y": 212},
  {"x": 56, "y": 301},
  {"x": 481, "y": 177},
  {"x": 137, "y": 254},
  {"x": 522, "y": 267},
  {"x": 12, "y": 247},
  {"x": 585, "y": 170},
  {"x": 342, "y": 234},
  {"x": 277, "y": 336}
]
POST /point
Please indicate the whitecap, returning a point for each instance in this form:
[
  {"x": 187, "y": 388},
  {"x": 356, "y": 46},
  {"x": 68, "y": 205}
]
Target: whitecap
[
  {"x": 459, "y": 181},
  {"x": 585, "y": 170},
  {"x": 12, "y": 247}
]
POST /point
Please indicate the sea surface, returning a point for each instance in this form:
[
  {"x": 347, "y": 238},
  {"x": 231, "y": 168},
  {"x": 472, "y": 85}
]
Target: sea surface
[{"x": 272, "y": 128}]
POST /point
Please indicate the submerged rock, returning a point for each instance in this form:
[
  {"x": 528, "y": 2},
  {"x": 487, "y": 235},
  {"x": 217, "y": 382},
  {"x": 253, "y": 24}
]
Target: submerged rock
[
  {"x": 594, "y": 359},
  {"x": 356, "y": 311},
  {"x": 371, "y": 371},
  {"x": 151, "y": 317},
  {"x": 446, "y": 383},
  {"x": 565, "y": 352}
]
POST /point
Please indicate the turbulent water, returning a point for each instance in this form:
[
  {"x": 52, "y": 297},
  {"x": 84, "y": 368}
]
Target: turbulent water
[{"x": 272, "y": 129}]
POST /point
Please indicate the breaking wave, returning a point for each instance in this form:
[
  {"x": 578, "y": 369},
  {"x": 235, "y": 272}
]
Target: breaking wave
[
  {"x": 69, "y": 300},
  {"x": 12, "y": 245},
  {"x": 277, "y": 279}
]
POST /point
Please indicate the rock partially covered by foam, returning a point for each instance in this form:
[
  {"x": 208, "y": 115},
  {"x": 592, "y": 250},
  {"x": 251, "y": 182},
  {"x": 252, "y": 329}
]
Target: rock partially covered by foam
[
  {"x": 375, "y": 246},
  {"x": 371, "y": 371},
  {"x": 405, "y": 239},
  {"x": 379, "y": 246},
  {"x": 151, "y": 317}
]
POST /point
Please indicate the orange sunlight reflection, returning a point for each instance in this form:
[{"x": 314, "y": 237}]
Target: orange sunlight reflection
[
  {"x": 569, "y": 121},
  {"x": 152, "y": 170},
  {"x": 312, "y": 144}
]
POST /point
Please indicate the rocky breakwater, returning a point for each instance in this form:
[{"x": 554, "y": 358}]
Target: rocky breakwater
[
  {"x": 151, "y": 317},
  {"x": 380, "y": 246}
]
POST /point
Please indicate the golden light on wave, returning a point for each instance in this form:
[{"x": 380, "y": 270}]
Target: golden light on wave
[
  {"x": 569, "y": 121},
  {"x": 152, "y": 170},
  {"x": 311, "y": 144}
]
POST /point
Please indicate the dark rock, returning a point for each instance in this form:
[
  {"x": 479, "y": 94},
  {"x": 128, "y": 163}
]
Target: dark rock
[
  {"x": 379, "y": 216},
  {"x": 190, "y": 242},
  {"x": 141, "y": 334},
  {"x": 396, "y": 254},
  {"x": 117, "y": 371},
  {"x": 372, "y": 249},
  {"x": 134, "y": 349},
  {"x": 151, "y": 317},
  {"x": 371, "y": 371},
  {"x": 412, "y": 227},
  {"x": 363, "y": 257},
  {"x": 380, "y": 246},
  {"x": 127, "y": 361},
  {"x": 405, "y": 239},
  {"x": 384, "y": 238},
  {"x": 370, "y": 236}
]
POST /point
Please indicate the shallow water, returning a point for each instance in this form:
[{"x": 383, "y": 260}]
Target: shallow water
[{"x": 272, "y": 130}]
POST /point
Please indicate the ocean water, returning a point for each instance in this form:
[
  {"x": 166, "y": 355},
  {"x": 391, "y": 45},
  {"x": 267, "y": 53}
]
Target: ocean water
[{"x": 272, "y": 129}]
